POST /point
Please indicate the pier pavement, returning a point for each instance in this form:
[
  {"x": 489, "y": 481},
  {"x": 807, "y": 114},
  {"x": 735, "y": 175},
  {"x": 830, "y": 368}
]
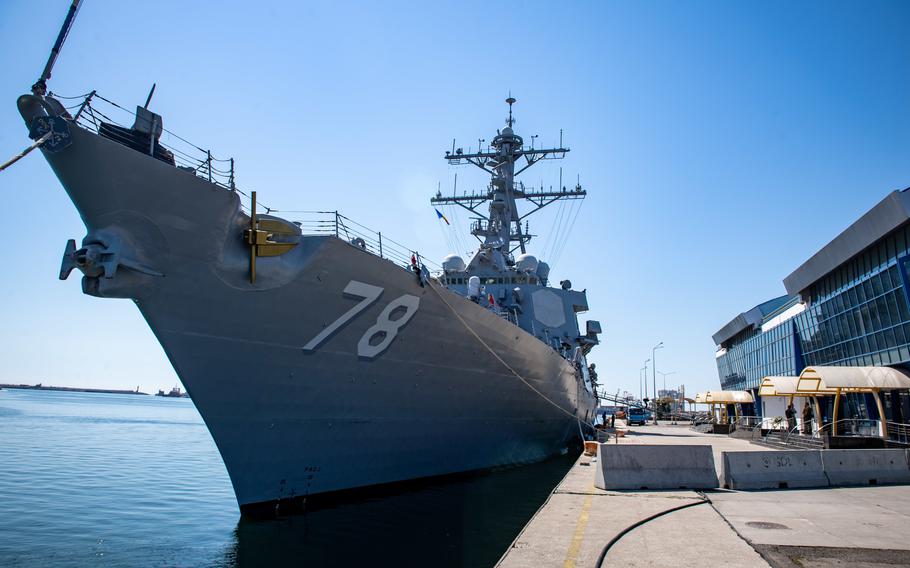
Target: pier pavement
[{"x": 863, "y": 526}]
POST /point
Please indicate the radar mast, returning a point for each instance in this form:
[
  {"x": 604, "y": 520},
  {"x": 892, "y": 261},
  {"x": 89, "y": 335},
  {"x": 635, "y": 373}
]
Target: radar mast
[{"x": 504, "y": 159}]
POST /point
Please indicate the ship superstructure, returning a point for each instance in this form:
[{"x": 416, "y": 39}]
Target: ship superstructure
[{"x": 516, "y": 287}]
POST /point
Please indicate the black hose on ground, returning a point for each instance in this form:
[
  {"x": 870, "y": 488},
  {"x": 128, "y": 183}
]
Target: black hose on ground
[{"x": 628, "y": 529}]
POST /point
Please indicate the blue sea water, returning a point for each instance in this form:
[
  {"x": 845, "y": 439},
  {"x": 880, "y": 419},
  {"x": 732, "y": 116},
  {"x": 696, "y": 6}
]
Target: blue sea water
[{"x": 128, "y": 480}]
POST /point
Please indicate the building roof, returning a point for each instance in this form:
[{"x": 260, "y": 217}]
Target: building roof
[
  {"x": 752, "y": 318},
  {"x": 723, "y": 397},
  {"x": 890, "y": 213},
  {"x": 778, "y": 386},
  {"x": 827, "y": 380}
]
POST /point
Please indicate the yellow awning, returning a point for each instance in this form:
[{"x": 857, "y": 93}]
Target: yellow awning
[
  {"x": 778, "y": 386},
  {"x": 723, "y": 397},
  {"x": 827, "y": 380}
]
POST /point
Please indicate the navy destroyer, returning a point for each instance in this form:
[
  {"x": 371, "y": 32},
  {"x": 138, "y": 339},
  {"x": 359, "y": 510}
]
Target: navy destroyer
[{"x": 324, "y": 357}]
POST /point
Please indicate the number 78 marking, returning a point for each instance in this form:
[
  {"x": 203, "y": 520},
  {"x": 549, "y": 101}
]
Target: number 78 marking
[{"x": 385, "y": 328}]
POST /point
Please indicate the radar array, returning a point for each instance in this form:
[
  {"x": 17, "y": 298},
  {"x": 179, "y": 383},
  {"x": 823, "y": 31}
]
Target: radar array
[{"x": 503, "y": 224}]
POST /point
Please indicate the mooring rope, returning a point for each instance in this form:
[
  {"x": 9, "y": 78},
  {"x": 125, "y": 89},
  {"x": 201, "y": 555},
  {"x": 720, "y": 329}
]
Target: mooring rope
[
  {"x": 507, "y": 366},
  {"x": 25, "y": 152}
]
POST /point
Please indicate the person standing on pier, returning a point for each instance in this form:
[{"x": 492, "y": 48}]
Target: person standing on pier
[
  {"x": 791, "y": 417},
  {"x": 808, "y": 415}
]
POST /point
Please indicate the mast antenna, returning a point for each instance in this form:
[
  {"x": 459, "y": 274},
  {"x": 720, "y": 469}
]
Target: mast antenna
[
  {"x": 40, "y": 86},
  {"x": 503, "y": 225},
  {"x": 149, "y": 99}
]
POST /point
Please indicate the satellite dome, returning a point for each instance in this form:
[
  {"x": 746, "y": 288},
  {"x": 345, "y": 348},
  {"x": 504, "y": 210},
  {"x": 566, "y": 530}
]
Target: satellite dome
[
  {"x": 453, "y": 263},
  {"x": 526, "y": 263},
  {"x": 507, "y": 131}
]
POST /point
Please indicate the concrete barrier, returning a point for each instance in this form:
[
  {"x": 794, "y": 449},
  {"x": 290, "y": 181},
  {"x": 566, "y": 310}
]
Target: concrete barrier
[
  {"x": 866, "y": 467},
  {"x": 773, "y": 469},
  {"x": 655, "y": 467}
]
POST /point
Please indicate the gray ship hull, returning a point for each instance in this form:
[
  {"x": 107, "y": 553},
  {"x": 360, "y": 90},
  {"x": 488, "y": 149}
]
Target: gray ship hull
[{"x": 456, "y": 389}]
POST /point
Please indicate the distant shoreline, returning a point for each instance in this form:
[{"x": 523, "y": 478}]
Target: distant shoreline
[{"x": 70, "y": 389}]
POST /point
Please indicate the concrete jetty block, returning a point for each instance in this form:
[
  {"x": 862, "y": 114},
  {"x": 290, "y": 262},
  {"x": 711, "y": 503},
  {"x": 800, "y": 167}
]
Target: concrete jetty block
[
  {"x": 655, "y": 466},
  {"x": 773, "y": 469},
  {"x": 866, "y": 467}
]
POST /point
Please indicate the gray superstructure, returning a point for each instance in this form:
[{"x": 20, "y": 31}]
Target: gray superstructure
[{"x": 319, "y": 364}]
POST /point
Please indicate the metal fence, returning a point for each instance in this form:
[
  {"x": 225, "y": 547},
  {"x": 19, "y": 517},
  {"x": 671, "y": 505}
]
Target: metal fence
[{"x": 899, "y": 433}]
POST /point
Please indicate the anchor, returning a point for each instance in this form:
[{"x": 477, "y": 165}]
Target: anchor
[
  {"x": 98, "y": 259},
  {"x": 260, "y": 237}
]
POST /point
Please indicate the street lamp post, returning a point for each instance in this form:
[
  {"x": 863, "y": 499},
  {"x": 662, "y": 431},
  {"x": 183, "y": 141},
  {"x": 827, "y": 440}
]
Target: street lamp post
[
  {"x": 672, "y": 409},
  {"x": 641, "y": 388},
  {"x": 654, "y": 359},
  {"x": 646, "y": 379},
  {"x": 664, "y": 375}
]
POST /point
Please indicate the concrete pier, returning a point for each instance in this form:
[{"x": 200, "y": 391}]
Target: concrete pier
[{"x": 862, "y": 526}]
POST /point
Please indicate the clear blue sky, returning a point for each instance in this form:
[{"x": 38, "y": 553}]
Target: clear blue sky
[{"x": 722, "y": 143}]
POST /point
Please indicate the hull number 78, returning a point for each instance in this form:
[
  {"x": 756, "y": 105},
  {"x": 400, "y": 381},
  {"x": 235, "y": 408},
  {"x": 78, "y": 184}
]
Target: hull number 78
[{"x": 377, "y": 338}]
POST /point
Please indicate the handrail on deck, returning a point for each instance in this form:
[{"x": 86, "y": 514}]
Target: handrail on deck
[
  {"x": 335, "y": 224},
  {"x": 94, "y": 109}
]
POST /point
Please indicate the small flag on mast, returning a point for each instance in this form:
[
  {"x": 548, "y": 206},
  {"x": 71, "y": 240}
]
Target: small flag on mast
[{"x": 441, "y": 216}]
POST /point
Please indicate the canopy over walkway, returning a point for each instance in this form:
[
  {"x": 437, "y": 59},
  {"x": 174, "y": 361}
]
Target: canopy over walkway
[
  {"x": 828, "y": 381},
  {"x": 778, "y": 386},
  {"x": 724, "y": 397}
]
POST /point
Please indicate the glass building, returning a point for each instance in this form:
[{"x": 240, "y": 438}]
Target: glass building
[
  {"x": 758, "y": 343},
  {"x": 846, "y": 305}
]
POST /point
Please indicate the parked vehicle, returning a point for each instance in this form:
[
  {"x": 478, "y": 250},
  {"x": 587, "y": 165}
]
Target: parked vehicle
[{"x": 638, "y": 416}]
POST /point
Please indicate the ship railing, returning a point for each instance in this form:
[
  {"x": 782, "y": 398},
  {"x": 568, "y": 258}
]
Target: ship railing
[
  {"x": 358, "y": 235},
  {"x": 504, "y": 313},
  {"x": 91, "y": 110}
]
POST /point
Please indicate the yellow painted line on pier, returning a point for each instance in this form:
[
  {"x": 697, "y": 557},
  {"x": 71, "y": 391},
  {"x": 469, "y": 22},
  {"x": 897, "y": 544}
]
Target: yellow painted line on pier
[{"x": 572, "y": 554}]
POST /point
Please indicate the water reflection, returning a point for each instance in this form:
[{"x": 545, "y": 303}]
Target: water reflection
[{"x": 467, "y": 522}]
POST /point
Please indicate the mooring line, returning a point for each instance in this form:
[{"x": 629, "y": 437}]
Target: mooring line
[
  {"x": 506, "y": 365},
  {"x": 25, "y": 152}
]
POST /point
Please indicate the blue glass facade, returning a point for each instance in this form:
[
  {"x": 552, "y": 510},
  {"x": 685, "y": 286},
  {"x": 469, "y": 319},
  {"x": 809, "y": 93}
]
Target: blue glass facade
[
  {"x": 855, "y": 310},
  {"x": 756, "y": 354},
  {"x": 858, "y": 314}
]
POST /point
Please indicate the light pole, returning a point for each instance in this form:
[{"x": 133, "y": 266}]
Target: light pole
[
  {"x": 641, "y": 389},
  {"x": 646, "y": 380},
  {"x": 664, "y": 375},
  {"x": 654, "y": 359}
]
